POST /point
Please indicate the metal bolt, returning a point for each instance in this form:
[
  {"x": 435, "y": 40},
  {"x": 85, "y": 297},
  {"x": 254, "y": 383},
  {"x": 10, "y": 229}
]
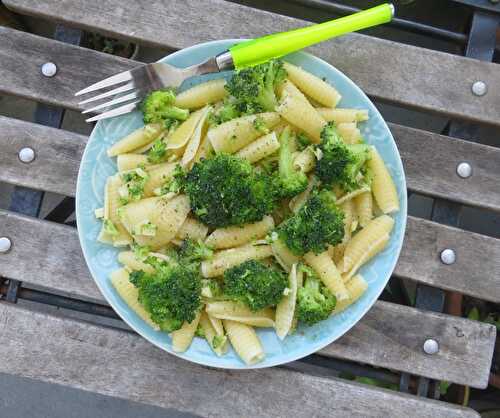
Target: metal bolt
[
  {"x": 5, "y": 244},
  {"x": 431, "y": 346},
  {"x": 49, "y": 69},
  {"x": 26, "y": 155},
  {"x": 448, "y": 256},
  {"x": 464, "y": 170},
  {"x": 479, "y": 88}
]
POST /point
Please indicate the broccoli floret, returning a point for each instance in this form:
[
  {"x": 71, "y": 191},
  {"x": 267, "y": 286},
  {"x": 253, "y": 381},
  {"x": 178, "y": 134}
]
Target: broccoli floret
[
  {"x": 199, "y": 332},
  {"x": 194, "y": 251},
  {"x": 315, "y": 301},
  {"x": 158, "y": 152},
  {"x": 254, "y": 284},
  {"x": 133, "y": 187},
  {"x": 316, "y": 225},
  {"x": 226, "y": 190},
  {"x": 253, "y": 89},
  {"x": 303, "y": 141},
  {"x": 340, "y": 164},
  {"x": 158, "y": 107},
  {"x": 224, "y": 113},
  {"x": 218, "y": 341},
  {"x": 172, "y": 294},
  {"x": 291, "y": 181}
]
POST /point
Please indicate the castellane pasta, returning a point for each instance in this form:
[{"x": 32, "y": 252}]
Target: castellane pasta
[{"x": 243, "y": 204}]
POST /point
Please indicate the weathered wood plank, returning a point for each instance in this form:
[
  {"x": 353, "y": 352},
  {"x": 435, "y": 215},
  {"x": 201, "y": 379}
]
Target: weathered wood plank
[
  {"x": 401, "y": 335},
  {"x": 23, "y": 54},
  {"x": 430, "y": 161},
  {"x": 426, "y": 157},
  {"x": 58, "y": 155},
  {"x": 408, "y": 75},
  {"x": 56, "y": 263},
  {"x": 120, "y": 364}
]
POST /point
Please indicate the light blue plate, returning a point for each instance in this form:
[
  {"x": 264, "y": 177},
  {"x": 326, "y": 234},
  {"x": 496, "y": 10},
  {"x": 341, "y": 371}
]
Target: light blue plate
[{"x": 102, "y": 259}]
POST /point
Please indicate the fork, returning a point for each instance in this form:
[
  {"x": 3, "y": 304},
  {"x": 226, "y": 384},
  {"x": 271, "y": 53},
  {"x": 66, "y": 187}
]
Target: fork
[{"x": 134, "y": 85}]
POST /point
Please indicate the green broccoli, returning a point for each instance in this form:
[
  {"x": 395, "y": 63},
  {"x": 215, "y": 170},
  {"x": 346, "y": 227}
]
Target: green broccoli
[
  {"x": 254, "y": 284},
  {"x": 200, "y": 332},
  {"x": 291, "y": 181},
  {"x": 134, "y": 182},
  {"x": 195, "y": 251},
  {"x": 226, "y": 190},
  {"x": 211, "y": 289},
  {"x": 218, "y": 341},
  {"x": 226, "y": 112},
  {"x": 316, "y": 225},
  {"x": 314, "y": 301},
  {"x": 253, "y": 89},
  {"x": 158, "y": 107},
  {"x": 303, "y": 141},
  {"x": 172, "y": 294},
  {"x": 340, "y": 164},
  {"x": 158, "y": 152}
]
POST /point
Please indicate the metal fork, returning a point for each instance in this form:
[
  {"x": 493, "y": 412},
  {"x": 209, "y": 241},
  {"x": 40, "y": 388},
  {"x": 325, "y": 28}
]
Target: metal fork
[{"x": 132, "y": 86}]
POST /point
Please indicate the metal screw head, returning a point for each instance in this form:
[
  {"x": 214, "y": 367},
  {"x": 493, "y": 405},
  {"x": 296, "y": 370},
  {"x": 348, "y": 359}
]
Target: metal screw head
[
  {"x": 49, "y": 69},
  {"x": 448, "y": 256},
  {"x": 464, "y": 170},
  {"x": 5, "y": 244},
  {"x": 431, "y": 346},
  {"x": 479, "y": 88},
  {"x": 26, "y": 155}
]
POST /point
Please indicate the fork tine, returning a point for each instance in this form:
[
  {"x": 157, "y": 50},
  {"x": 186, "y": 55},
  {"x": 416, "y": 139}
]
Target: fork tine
[
  {"x": 118, "y": 100},
  {"x": 115, "y": 112},
  {"x": 107, "y": 82},
  {"x": 122, "y": 89}
]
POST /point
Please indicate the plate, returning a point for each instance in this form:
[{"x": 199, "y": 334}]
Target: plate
[{"x": 101, "y": 259}]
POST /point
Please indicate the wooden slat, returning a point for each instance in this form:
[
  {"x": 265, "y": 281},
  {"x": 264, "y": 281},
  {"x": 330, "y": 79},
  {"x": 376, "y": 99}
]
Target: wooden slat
[
  {"x": 22, "y": 55},
  {"x": 426, "y": 157},
  {"x": 402, "y": 74},
  {"x": 117, "y": 363},
  {"x": 399, "y": 333},
  {"x": 58, "y": 155},
  {"x": 430, "y": 161},
  {"x": 56, "y": 263}
]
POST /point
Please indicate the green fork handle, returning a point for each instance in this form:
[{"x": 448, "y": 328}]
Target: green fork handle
[{"x": 260, "y": 50}]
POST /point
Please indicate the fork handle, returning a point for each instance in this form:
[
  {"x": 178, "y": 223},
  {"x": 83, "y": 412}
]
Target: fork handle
[{"x": 260, "y": 50}]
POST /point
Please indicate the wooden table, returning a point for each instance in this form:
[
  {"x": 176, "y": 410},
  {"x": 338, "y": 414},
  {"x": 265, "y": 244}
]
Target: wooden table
[{"x": 45, "y": 263}]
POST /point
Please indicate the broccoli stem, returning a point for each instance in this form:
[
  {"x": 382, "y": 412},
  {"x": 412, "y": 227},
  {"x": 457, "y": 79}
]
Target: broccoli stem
[{"x": 175, "y": 112}]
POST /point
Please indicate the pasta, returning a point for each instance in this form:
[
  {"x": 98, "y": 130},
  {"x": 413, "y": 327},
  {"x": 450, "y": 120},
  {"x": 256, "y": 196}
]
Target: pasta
[
  {"x": 302, "y": 115},
  {"x": 227, "y": 215},
  {"x": 226, "y": 259},
  {"x": 244, "y": 341},
  {"x": 361, "y": 247},
  {"x": 195, "y": 140},
  {"x": 120, "y": 237},
  {"x": 364, "y": 208},
  {"x": 211, "y": 334},
  {"x": 283, "y": 255},
  {"x": 343, "y": 115},
  {"x": 349, "y": 133},
  {"x": 285, "y": 310},
  {"x": 260, "y": 148},
  {"x": 325, "y": 268},
  {"x": 239, "y": 312},
  {"x": 356, "y": 286},
  {"x": 181, "y": 338},
  {"x": 126, "y": 162},
  {"x": 313, "y": 86},
  {"x": 128, "y": 292},
  {"x": 166, "y": 216},
  {"x": 383, "y": 188},
  {"x": 237, "y": 133},
  {"x": 202, "y": 94},
  {"x": 234, "y": 236},
  {"x": 192, "y": 229},
  {"x": 136, "y": 139},
  {"x": 305, "y": 160}
]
